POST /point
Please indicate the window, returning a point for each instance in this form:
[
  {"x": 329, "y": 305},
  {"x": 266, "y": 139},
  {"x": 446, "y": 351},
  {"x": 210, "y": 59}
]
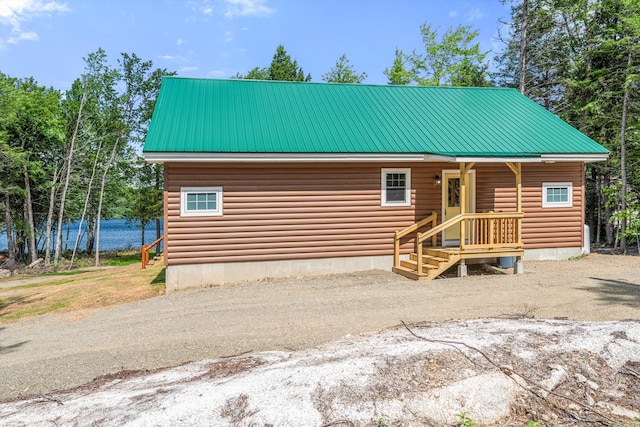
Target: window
[
  {"x": 396, "y": 187},
  {"x": 201, "y": 201},
  {"x": 557, "y": 195}
]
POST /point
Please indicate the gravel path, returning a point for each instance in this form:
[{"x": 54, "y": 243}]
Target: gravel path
[{"x": 61, "y": 351}]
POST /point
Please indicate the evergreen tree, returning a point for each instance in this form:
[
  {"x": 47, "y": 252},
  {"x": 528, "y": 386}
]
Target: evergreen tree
[
  {"x": 343, "y": 72},
  {"x": 281, "y": 68}
]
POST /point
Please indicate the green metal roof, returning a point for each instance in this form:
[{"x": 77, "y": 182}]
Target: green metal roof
[{"x": 249, "y": 116}]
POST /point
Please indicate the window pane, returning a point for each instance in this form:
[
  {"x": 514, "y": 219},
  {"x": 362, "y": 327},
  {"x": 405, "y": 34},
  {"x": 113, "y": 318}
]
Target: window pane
[
  {"x": 453, "y": 194},
  {"x": 202, "y": 201},
  {"x": 211, "y": 202},
  {"x": 395, "y": 195},
  {"x": 557, "y": 195},
  {"x": 396, "y": 187}
]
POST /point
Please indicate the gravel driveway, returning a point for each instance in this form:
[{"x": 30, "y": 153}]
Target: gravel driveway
[{"x": 61, "y": 351}]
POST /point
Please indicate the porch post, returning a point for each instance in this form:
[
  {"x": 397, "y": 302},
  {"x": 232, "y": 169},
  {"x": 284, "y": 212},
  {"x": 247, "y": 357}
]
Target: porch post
[
  {"x": 519, "y": 196},
  {"x": 463, "y": 204},
  {"x": 516, "y": 168}
]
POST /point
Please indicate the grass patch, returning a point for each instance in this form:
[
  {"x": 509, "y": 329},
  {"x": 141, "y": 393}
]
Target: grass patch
[
  {"x": 7, "y": 301},
  {"x": 124, "y": 259},
  {"x": 96, "y": 288},
  {"x": 160, "y": 280},
  {"x": 64, "y": 273},
  {"x": 36, "y": 311},
  {"x": 38, "y": 285}
]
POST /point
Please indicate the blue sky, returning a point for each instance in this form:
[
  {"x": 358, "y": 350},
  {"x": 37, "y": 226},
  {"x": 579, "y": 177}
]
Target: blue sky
[{"x": 47, "y": 39}]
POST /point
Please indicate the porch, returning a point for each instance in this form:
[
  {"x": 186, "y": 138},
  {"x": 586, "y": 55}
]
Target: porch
[{"x": 477, "y": 235}]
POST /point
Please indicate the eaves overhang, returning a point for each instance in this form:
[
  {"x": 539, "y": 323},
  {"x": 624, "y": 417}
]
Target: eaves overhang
[{"x": 209, "y": 157}]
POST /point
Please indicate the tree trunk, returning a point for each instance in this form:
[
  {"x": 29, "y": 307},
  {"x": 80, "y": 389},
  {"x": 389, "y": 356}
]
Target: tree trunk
[
  {"x": 86, "y": 204},
  {"x": 52, "y": 200},
  {"x": 623, "y": 163},
  {"x": 523, "y": 48},
  {"x": 598, "y": 209},
  {"x": 90, "y": 236},
  {"x": 9, "y": 222},
  {"x": 608, "y": 212},
  {"x": 65, "y": 187},
  {"x": 28, "y": 217},
  {"x": 101, "y": 196},
  {"x": 66, "y": 237}
]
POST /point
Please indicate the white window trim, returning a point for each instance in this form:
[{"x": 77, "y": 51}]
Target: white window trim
[
  {"x": 567, "y": 204},
  {"x": 210, "y": 212},
  {"x": 383, "y": 187}
]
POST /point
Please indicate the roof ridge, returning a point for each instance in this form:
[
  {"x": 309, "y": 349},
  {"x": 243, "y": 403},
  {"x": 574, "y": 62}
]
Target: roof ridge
[{"x": 336, "y": 84}]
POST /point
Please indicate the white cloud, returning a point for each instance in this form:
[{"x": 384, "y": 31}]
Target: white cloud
[
  {"x": 180, "y": 42},
  {"x": 186, "y": 69},
  {"x": 208, "y": 10},
  {"x": 227, "y": 37},
  {"x": 15, "y": 13},
  {"x": 247, "y": 8},
  {"x": 26, "y": 35},
  {"x": 453, "y": 14},
  {"x": 474, "y": 14},
  {"x": 217, "y": 73},
  {"x": 166, "y": 57}
]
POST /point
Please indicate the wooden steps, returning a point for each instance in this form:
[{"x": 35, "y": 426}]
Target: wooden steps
[{"x": 434, "y": 263}]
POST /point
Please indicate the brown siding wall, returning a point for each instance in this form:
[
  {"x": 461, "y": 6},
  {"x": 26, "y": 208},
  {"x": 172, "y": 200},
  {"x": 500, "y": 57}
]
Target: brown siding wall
[
  {"x": 287, "y": 211},
  {"x": 322, "y": 210},
  {"x": 541, "y": 227}
]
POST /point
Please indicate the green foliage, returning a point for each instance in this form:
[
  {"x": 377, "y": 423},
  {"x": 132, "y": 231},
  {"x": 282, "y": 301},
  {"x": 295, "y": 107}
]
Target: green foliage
[
  {"x": 343, "y": 72},
  {"x": 398, "y": 73},
  {"x": 382, "y": 420},
  {"x": 452, "y": 60},
  {"x": 631, "y": 214},
  {"x": 282, "y": 68},
  {"x": 532, "y": 424},
  {"x": 464, "y": 420}
]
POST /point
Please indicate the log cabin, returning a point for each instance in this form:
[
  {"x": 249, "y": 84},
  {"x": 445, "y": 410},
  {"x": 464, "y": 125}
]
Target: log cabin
[{"x": 269, "y": 179}]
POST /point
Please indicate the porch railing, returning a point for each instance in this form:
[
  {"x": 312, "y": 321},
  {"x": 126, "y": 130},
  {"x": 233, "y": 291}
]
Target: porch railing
[
  {"x": 430, "y": 220},
  {"x": 491, "y": 230},
  {"x": 478, "y": 231},
  {"x": 145, "y": 251}
]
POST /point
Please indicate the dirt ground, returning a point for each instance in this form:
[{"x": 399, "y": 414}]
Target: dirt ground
[{"x": 293, "y": 317}]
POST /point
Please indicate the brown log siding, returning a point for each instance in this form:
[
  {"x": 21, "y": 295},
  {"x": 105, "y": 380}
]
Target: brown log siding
[
  {"x": 541, "y": 227},
  {"x": 322, "y": 210}
]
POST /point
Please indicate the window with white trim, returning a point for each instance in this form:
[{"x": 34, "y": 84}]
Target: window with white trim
[
  {"x": 396, "y": 187},
  {"x": 557, "y": 195},
  {"x": 201, "y": 201}
]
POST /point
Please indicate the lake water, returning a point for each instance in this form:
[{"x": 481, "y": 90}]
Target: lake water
[{"x": 115, "y": 234}]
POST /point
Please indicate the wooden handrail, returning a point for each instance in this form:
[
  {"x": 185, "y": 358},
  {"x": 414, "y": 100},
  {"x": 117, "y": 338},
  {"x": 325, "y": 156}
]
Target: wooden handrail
[
  {"x": 433, "y": 219},
  {"x": 487, "y": 230},
  {"x": 144, "y": 252},
  {"x": 440, "y": 228}
]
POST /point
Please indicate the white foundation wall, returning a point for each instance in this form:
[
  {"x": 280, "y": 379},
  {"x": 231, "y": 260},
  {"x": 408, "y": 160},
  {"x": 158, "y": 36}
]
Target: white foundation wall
[
  {"x": 193, "y": 276},
  {"x": 551, "y": 254}
]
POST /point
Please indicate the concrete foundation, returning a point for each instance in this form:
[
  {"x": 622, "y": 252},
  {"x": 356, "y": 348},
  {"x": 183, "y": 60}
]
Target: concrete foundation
[
  {"x": 195, "y": 276},
  {"x": 180, "y": 277},
  {"x": 551, "y": 254},
  {"x": 462, "y": 270},
  {"x": 518, "y": 267}
]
